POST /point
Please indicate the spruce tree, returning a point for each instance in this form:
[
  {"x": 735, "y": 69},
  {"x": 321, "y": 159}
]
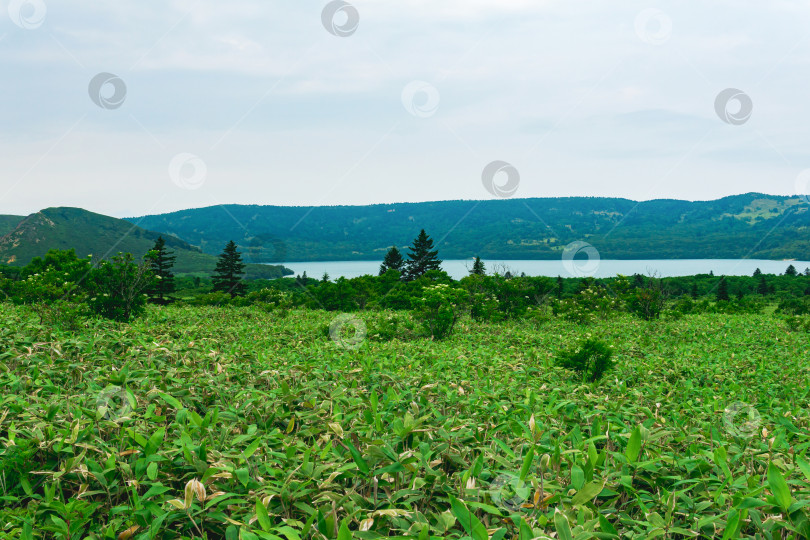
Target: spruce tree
[
  {"x": 722, "y": 290},
  {"x": 229, "y": 271},
  {"x": 791, "y": 271},
  {"x": 161, "y": 261},
  {"x": 478, "y": 268},
  {"x": 392, "y": 261},
  {"x": 422, "y": 257},
  {"x": 757, "y": 272}
]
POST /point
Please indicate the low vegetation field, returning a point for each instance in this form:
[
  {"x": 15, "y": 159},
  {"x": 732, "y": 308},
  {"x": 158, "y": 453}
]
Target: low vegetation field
[{"x": 205, "y": 422}]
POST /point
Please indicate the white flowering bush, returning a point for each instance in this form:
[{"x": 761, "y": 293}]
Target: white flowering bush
[{"x": 590, "y": 305}]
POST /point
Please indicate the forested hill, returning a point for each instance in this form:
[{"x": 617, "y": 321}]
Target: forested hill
[
  {"x": 742, "y": 226},
  {"x": 102, "y": 236}
]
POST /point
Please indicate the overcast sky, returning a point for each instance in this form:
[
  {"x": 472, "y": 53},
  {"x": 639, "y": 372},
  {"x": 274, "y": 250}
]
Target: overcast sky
[{"x": 259, "y": 102}]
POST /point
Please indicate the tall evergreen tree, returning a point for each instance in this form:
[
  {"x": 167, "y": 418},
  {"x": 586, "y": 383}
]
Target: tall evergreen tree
[
  {"x": 757, "y": 272},
  {"x": 478, "y": 268},
  {"x": 791, "y": 271},
  {"x": 392, "y": 261},
  {"x": 722, "y": 289},
  {"x": 161, "y": 262},
  {"x": 229, "y": 271},
  {"x": 762, "y": 286},
  {"x": 560, "y": 287},
  {"x": 422, "y": 257}
]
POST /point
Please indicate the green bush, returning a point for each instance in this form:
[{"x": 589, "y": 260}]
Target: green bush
[
  {"x": 390, "y": 326},
  {"x": 118, "y": 288},
  {"x": 794, "y": 306},
  {"x": 798, "y": 323},
  {"x": 588, "y": 306},
  {"x": 438, "y": 309},
  {"x": 592, "y": 359}
]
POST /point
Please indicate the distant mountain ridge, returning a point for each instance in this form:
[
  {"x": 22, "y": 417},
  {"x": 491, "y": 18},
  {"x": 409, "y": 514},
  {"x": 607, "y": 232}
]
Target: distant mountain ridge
[
  {"x": 100, "y": 236},
  {"x": 751, "y": 225}
]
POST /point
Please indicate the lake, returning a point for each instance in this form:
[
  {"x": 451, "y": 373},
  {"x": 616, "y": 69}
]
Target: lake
[{"x": 604, "y": 268}]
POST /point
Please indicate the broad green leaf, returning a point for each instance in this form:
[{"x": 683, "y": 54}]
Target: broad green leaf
[
  {"x": 527, "y": 463},
  {"x": 358, "y": 459},
  {"x": 779, "y": 488},
  {"x": 471, "y": 524},
  {"x": 343, "y": 533},
  {"x": 561, "y": 526},
  {"x": 587, "y": 493},
  {"x": 262, "y": 516},
  {"x": 633, "y": 446}
]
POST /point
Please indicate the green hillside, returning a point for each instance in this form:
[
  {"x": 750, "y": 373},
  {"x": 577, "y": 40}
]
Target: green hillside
[
  {"x": 743, "y": 226},
  {"x": 101, "y": 236},
  {"x": 8, "y": 223}
]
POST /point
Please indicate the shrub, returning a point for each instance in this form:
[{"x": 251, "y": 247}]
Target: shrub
[
  {"x": 390, "y": 326},
  {"x": 592, "y": 359},
  {"x": 272, "y": 298},
  {"x": 798, "y": 324},
  {"x": 589, "y": 305},
  {"x": 438, "y": 309},
  {"x": 794, "y": 306},
  {"x": 118, "y": 288}
]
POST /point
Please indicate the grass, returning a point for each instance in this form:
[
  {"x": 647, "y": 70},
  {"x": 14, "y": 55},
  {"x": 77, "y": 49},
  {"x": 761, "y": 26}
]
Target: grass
[{"x": 700, "y": 430}]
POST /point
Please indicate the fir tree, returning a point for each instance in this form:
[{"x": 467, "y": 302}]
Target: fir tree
[
  {"x": 478, "y": 268},
  {"x": 392, "y": 261},
  {"x": 722, "y": 290},
  {"x": 791, "y": 271},
  {"x": 229, "y": 271},
  {"x": 422, "y": 257},
  {"x": 757, "y": 272},
  {"x": 161, "y": 262}
]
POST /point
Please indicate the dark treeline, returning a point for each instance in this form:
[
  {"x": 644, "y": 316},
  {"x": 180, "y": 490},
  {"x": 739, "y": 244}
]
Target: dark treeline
[{"x": 63, "y": 286}]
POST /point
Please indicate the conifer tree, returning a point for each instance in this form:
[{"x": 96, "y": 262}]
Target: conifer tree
[
  {"x": 422, "y": 257},
  {"x": 478, "y": 268},
  {"x": 722, "y": 290},
  {"x": 392, "y": 261},
  {"x": 161, "y": 262},
  {"x": 229, "y": 271}
]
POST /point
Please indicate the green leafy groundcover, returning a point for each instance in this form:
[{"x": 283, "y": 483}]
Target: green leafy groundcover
[{"x": 239, "y": 423}]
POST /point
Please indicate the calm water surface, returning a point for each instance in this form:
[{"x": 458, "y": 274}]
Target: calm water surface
[{"x": 606, "y": 268}]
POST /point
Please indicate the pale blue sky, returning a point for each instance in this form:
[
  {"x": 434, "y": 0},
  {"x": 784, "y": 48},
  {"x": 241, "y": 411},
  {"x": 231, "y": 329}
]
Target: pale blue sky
[{"x": 582, "y": 98}]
